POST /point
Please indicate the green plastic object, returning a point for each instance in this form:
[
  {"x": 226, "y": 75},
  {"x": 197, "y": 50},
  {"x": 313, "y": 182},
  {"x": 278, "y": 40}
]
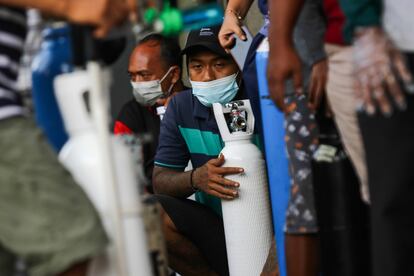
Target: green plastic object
[
  {"x": 150, "y": 15},
  {"x": 171, "y": 20}
]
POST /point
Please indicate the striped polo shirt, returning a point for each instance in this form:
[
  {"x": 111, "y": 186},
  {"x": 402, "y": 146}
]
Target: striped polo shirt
[
  {"x": 12, "y": 36},
  {"x": 189, "y": 132}
]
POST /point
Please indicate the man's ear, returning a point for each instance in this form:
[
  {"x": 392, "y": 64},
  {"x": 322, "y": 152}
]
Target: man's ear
[{"x": 175, "y": 74}]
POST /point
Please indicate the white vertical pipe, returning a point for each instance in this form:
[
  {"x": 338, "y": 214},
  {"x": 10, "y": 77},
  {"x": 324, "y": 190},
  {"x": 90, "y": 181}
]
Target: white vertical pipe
[{"x": 99, "y": 108}]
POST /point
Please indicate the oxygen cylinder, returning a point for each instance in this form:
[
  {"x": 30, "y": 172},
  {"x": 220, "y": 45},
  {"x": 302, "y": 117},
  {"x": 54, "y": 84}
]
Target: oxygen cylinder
[
  {"x": 247, "y": 219},
  {"x": 53, "y": 59},
  {"x": 276, "y": 158},
  {"x": 82, "y": 156}
]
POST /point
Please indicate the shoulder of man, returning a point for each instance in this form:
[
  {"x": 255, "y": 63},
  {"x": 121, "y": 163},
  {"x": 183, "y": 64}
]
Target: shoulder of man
[
  {"x": 131, "y": 116},
  {"x": 130, "y": 111},
  {"x": 181, "y": 102},
  {"x": 183, "y": 97}
]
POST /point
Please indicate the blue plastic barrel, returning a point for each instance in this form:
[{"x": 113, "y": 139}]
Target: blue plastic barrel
[
  {"x": 53, "y": 59},
  {"x": 203, "y": 16},
  {"x": 276, "y": 158}
]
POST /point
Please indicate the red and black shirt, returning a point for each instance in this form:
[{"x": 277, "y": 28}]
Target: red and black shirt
[{"x": 137, "y": 119}]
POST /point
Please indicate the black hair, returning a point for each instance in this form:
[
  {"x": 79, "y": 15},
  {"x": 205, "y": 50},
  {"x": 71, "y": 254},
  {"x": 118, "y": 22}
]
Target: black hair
[{"x": 170, "y": 51}]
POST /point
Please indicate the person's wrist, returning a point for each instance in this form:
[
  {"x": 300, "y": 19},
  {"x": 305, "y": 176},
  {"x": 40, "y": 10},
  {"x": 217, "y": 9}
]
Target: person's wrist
[
  {"x": 193, "y": 184},
  {"x": 233, "y": 13},
  {"x": 282, "y": 45}
]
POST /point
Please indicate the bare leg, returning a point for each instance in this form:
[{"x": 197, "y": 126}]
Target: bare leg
[
  {"x": 271, "y": 267},
  {"x": 302, "y": 255},
  {"x": 183, "y": 256}
]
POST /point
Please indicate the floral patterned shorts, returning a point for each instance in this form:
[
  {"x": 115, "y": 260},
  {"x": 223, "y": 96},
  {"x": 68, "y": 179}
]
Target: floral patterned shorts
[{"x": 301, "y": 141}]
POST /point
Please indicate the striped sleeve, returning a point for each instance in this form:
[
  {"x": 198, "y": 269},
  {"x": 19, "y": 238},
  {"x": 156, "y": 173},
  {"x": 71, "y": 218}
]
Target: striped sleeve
[
  {"x": 12, "y": 36},
  {"x": 172, "y": 150}
]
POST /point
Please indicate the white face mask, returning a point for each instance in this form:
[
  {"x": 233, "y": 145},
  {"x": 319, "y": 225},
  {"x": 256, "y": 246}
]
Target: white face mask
[{"x": 148, "y": 92}]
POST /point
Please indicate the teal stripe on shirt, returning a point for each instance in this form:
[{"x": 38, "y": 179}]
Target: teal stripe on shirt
[
  {"x": 168, "y": 165},
  {"x": 202, "y": 142}
]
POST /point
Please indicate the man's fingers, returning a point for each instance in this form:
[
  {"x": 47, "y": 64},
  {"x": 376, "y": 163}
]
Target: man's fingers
[
  {"x": 319, "y": 93},
  {"x": 224, "y": 181},
  {"x": 297, "y": 80},
  {"x": 395, "y": 92},
  {"x": 223, "y": 190},
  {"x": 240, "y": 33},
  {"x": 315, "y": 92},
  {"x": 229, "y": 43},
  {"x": 382, "y": 100},
  {"x": 402, "y": 70},
  {"x": 228, "y": 170},
  {"x": 224, "y": 37},
  {"x": 219, "y": 195},
  {"x": 277, "y": 92},
  {"x": 364, "y": 96}
]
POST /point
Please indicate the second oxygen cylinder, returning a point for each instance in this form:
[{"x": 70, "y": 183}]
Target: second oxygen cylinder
[{"x": 82, "y": 156}]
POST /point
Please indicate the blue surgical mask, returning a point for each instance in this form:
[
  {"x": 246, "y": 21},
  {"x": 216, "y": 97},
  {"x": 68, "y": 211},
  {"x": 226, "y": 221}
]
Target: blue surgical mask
[{"x": 217, "y": 91}]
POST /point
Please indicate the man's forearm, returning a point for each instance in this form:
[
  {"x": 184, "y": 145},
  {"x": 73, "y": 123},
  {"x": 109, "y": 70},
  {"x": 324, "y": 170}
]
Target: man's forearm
[
  {"x": 52, "y": 7},
  {"x": 170, "y": 182},
  {"x": 283, "y": 17}
]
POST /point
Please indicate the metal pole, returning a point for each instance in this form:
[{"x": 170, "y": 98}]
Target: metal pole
[{"x": 99, "y": 107}]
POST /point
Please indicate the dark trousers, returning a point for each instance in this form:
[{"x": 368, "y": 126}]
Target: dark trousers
[
  {"x": 389, "y": 147},
  {"x": 201, "y": 226}
]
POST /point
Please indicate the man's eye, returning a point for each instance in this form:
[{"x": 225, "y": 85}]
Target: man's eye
[
  {"x": 219, "y": 65},
  {"x": 144, "y": 76},
  {"x": 196, "y": 66}
]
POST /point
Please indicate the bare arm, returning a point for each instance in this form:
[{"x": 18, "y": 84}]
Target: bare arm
[
  {"x": 171, "y": 182},
  {"x": 103, "y": 14},
  {"x": 236, "y": 10},
  {"x": 52, "y": 7},
  {"x": 208, "y": 178},
  {"x": 284, "y": 62},
  {"x": 283, "y": 16},
  {"x": 239, "y": 6}
]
